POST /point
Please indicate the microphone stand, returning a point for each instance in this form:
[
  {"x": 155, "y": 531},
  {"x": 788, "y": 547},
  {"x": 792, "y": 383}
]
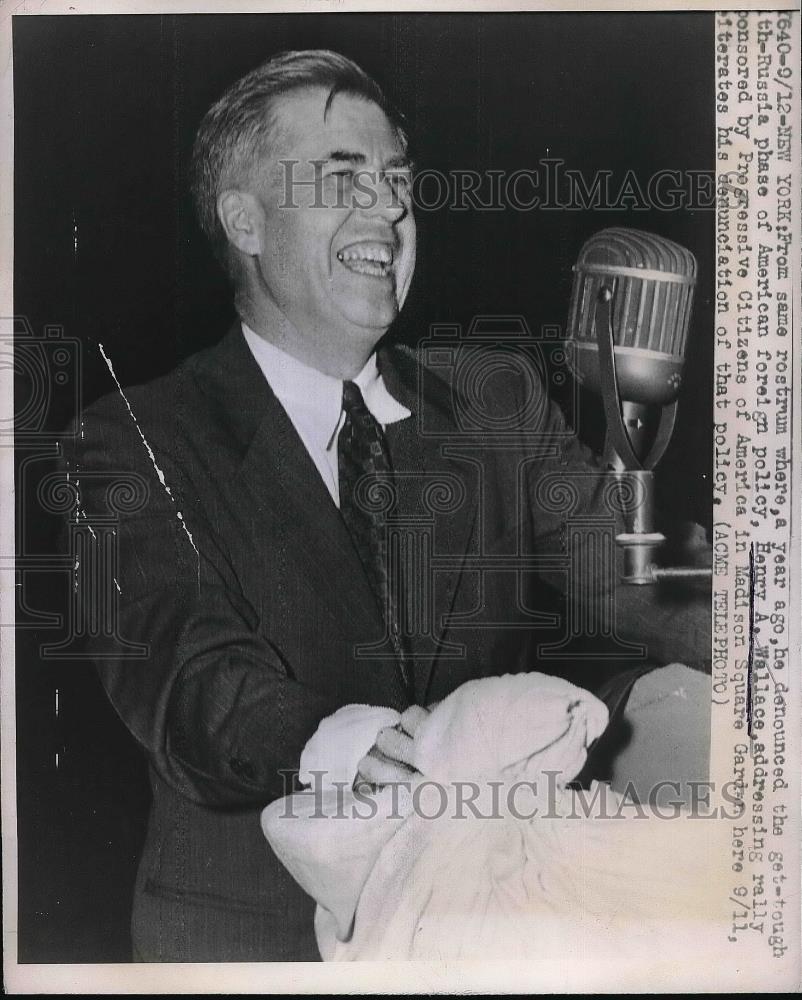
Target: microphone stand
[{"x": 626, "y": 441}]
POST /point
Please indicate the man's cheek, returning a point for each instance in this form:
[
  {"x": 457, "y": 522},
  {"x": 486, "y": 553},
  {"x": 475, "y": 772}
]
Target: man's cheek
[{"x": 302, "y": 245}]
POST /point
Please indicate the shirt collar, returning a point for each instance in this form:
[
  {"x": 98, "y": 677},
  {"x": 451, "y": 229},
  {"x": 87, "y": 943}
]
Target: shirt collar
[{"x": 303, "y": 390}]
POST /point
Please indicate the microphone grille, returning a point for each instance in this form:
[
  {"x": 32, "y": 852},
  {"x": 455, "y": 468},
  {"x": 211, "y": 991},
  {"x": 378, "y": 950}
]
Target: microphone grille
[{"x": 652, "y": 280}]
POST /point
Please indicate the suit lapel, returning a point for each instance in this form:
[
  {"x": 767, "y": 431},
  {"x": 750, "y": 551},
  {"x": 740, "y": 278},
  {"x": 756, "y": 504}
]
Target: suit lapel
[
  {"x": 284, "y": 485},
  {"x": 448, "y": 509}
]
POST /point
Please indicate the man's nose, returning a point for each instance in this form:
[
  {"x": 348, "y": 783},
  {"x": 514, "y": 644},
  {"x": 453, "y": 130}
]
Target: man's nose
[{"x": 384, "y": 198}]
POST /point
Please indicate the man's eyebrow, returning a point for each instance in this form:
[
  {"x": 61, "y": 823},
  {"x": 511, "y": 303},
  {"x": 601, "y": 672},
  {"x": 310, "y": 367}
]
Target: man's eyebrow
[
  {"x": 344, "y": 156},
  {"x": 398, "y": 162}
]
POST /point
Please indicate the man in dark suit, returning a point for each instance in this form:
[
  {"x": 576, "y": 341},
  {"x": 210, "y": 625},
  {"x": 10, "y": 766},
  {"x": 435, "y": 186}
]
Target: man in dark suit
[{"x": 257, "y": 575}]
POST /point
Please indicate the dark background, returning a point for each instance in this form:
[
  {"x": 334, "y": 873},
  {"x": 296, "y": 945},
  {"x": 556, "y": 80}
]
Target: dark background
[{"x": 106, "y": 247}]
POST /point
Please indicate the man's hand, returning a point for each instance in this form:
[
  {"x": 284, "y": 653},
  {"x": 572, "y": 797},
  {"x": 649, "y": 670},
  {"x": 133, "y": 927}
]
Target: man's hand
[{"x": 390, "y": 759}]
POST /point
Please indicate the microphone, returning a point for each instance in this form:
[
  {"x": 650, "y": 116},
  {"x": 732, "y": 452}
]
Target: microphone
[{"x": 629, "y": 316}]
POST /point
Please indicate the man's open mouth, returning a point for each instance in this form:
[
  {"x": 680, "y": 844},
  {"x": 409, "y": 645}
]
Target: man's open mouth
[{"x": 375, "y": 259}]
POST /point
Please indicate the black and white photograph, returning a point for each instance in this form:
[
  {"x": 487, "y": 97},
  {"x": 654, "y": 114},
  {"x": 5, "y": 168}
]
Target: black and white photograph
[{"x": 368, "y": 496}]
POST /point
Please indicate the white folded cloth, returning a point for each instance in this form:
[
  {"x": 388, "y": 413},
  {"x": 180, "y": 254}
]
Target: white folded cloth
[{"x": 519, "y": 873}]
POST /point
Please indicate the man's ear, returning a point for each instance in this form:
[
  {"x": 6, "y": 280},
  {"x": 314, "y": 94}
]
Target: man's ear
[{"x": 239, "y": 214}]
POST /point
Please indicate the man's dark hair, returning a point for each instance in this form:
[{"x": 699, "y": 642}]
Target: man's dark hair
[{"x": 235, "y": 132}]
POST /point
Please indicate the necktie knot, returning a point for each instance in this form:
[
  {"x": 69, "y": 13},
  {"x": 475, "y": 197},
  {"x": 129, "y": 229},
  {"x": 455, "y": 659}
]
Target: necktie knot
[{"x": 353, "y": 402}]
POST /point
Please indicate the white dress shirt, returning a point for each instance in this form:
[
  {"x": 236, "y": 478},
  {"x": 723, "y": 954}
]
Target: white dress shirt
[{"x": 313, "y": 402}]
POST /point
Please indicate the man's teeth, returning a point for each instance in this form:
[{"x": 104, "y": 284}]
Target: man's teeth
[
  {"x": 376, "y": 252},
  {"x": 375, "y": 259}
]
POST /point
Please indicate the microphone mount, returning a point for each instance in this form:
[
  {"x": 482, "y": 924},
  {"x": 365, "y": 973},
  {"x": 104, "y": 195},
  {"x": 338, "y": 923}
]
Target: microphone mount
[{"x": 627, "y": 456}]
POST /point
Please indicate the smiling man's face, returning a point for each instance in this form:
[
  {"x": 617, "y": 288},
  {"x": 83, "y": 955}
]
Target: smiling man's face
[{"x": 337, "y": 255}]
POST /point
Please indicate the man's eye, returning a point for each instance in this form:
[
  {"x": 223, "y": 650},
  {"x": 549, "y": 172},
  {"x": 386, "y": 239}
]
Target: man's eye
[
  {"x": 341, "y": 173},
  {"x": 399, "y": 180}
]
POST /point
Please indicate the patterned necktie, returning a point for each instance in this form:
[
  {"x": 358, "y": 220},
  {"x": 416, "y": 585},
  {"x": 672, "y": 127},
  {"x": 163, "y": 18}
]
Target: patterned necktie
[{"x": 362, "y": 451}]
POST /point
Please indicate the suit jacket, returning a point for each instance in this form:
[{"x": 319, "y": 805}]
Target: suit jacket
[{"x": 236, "y": 572}]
